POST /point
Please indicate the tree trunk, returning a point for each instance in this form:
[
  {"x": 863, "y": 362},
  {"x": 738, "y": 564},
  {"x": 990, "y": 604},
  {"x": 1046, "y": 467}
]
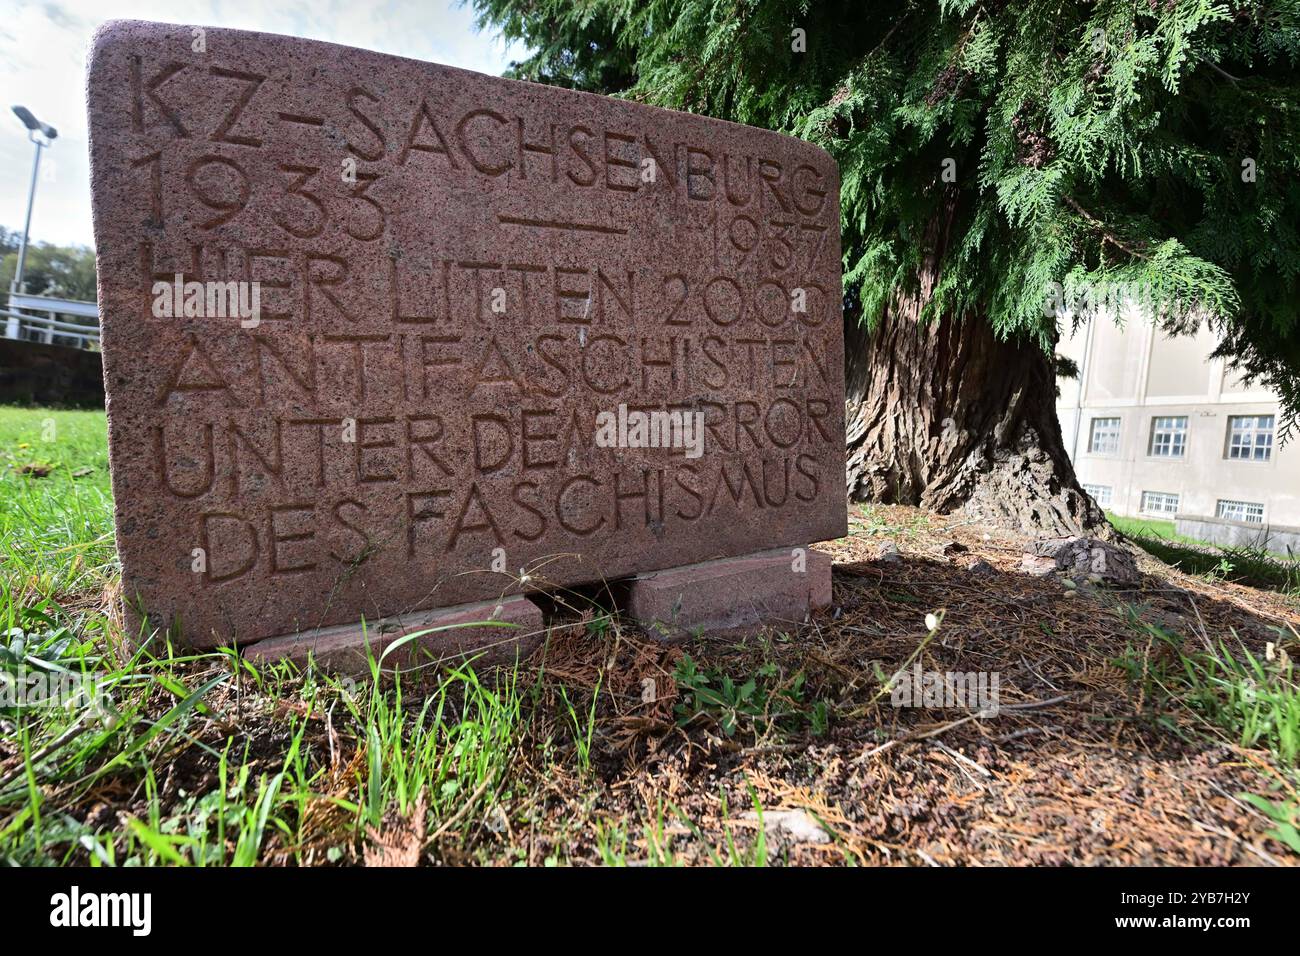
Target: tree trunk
[{"x": 945, "y": 416}]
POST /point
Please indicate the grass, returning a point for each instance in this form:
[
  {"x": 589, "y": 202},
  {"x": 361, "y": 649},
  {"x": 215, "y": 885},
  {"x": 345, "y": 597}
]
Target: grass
[
  {"x": 56, "y": 521},
  {"x": 1148, "y": 527},
  {"x": 202, "y": 759},
  {"x": 1255, "y": 567},
  {"x": 1250, "y": 700},
  {"x": 1225, "y": 692}
]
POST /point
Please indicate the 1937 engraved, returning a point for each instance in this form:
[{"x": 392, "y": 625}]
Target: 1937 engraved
[{"x": 439, "y": 331}]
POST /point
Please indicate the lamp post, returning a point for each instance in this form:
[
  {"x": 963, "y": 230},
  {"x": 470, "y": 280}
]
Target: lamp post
[{"x": 42, "y": 135}]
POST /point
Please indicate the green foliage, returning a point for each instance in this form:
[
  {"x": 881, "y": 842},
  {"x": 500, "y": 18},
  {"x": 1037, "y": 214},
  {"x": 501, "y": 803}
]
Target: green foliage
[
  {"x": 1253, "y": 566},
  {"x": 56, "y": 516},
  {"x": 1284, "y": 813},
  {"x": 764, "y": 699},
  {"x": 1230, "y": 694},
  {"x": 1252, "y": 700},
  {"x": 1094, "y": 143},
  {"x": 576, "y": 44},
  {"x": 615, "y": 848},
  {"x": 64, "y": 271}
]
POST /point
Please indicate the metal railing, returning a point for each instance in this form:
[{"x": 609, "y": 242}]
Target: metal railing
[{"x": 42, "y": 318}]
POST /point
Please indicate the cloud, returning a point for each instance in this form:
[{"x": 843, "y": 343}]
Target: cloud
[{"x": 42, "y": 66}]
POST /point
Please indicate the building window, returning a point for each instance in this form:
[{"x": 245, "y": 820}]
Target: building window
[
  {"x": 1248, "y": 511},
  {"x": 1159, "y": 503},
  {"x": 1104, "y": 439},
  {"x": 1250, "y": 437},
  {"x": 1168, "y": 437},
  {"x": 1100, "y": 493}
]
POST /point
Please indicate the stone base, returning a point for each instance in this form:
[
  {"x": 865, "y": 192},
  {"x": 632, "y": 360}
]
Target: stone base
[
  {"x": 343, "y": 649},
  {"x": 731, "y": 594}
]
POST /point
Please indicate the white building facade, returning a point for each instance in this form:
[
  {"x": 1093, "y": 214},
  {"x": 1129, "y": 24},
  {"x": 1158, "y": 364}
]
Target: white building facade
[{"x": 1158, "y": 429}]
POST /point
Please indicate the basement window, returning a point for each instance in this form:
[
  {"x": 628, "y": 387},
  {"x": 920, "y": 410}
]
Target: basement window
[
  {"x": 1159, "y": 503},
  {"x": 1100, "y": 493}
]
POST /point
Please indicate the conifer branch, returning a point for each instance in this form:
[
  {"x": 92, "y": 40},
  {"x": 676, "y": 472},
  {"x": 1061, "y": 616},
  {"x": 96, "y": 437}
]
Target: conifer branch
[{"x": 1106, "y": 234}]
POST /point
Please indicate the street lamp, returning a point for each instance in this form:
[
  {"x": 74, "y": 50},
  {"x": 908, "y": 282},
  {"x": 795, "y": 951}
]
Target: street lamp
[{"x": 42, "y": 135}]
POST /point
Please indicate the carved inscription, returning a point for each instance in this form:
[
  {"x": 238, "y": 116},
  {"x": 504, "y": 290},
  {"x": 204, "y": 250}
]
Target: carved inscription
[{"x": 458, "y": 280}]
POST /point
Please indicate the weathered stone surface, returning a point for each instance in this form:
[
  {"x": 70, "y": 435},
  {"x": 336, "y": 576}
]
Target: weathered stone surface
[
  {"x": 456, "y": 276},
  {"x": 492, "y": 632},
  {"x": 776, "y": 587}
]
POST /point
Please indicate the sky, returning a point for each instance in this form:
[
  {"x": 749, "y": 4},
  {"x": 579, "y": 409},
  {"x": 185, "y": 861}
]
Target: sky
[{"x": 43, "y": 49}]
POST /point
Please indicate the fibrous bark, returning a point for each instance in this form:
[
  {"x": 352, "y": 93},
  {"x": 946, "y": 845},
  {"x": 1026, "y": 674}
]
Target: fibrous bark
[{"x": 945, "y": 415}]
